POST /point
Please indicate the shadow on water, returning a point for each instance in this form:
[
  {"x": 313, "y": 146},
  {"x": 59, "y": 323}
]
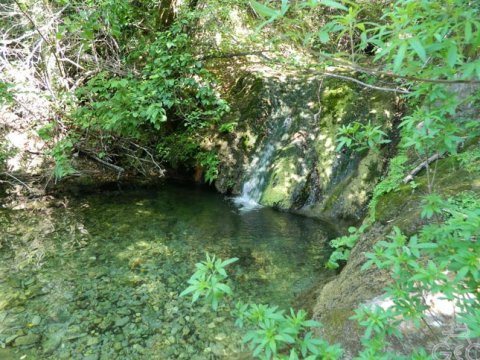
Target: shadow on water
[{"x": 100, "y": 278}]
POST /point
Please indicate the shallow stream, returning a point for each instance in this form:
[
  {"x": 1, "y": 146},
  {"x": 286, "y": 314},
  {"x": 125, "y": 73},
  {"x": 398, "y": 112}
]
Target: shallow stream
[{"x": 99, "y": 276}]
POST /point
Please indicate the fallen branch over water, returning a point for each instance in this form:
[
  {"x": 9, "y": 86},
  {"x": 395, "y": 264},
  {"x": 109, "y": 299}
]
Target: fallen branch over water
[{"x": 117, "y": 168}]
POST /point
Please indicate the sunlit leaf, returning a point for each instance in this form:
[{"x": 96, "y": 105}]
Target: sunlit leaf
[
  {"x": 418, "y": 47},
  {"x": 397, "y": 63},
  {"x": 452, "y": 56},
  {"x": 263, "y": 10},
  {"x": 333, "y": 4}
]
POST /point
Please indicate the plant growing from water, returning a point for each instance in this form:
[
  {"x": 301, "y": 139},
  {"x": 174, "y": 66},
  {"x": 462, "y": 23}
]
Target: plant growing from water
[
  {"x": 274, "y": 335},
  {"x": 208, "y": 281},
  {"x": 270, "y": 333}
]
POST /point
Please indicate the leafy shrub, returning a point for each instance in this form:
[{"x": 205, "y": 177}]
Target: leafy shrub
[
  {"x": 61, "y": 155},
  {"x": 391, "y": 182},
  {"x": 210, "y": 162},
  {"x": 343, "y": 245},
  {"x": 440, "y": 259},
  {"x": 427, "y": 46},
  {"x": 359, "y": 137},
  {"x": 274, "y": 335},
  {"x": 6, "y": 94},
  {"x": 470, "y": 160},
  {"x": 270, "y": 333},
  {"x": 228, "y": 127},
  {"x": 166, "y": 101},
  {"x": 207, "y": 282},
  {"x": 172, "y": 85}
]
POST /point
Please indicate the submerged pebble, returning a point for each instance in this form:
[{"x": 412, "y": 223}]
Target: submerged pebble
[
  {"x": 26, "y": 340},
  {"x": 112, "y": 291}
]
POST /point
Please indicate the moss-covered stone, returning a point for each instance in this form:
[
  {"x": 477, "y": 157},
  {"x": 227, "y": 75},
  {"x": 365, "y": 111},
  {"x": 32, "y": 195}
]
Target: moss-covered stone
[{"x": 337, "y": 299}]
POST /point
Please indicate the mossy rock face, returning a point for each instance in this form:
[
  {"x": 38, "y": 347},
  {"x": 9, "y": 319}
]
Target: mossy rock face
[
  {"x": 250, "y": 109},
  {"x": 299, "y": 116},
  {"x": 337, "y": 299},
  {"x": 401, "y": 207}
]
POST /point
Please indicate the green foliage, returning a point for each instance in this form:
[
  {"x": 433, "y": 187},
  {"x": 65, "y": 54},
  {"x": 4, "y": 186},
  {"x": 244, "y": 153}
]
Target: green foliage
[
  {"x": 178, "y": 148},
  {"x": 443, "y": 258},
  {"x": 172, "y": 85},
  {"x": 60, "y": 150},
  {"x": 271, "y": 334},
  {"x": 6, "y": 95},
  {"x": 228, "y": 127},
  {"x": 424, "y": 45},
  {"x": 359, "y": 137},
  {"x": 470, "y": 160},
  {"x": 123, "y": 20},
  {"x": 167, "y": 101},
  {"x": 269, "y": 13},
  {"x": 47, "y": 132},
  {"x": 209, "y": 161},
  {"x": 274, "y": 335},
  {"x": 343, "y": 245},
  {"x": 61, "y": 155},
  {"x": 468, "y": 200},
  {"x": 207, "y": 281},
  {"x": 391, "y": 182}
]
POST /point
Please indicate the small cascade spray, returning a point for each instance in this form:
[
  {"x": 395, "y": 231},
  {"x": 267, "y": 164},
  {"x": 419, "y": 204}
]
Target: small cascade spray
[{"x": 260, "y": 167}]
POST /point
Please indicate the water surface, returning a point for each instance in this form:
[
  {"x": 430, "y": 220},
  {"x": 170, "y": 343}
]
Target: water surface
[{"x": 99, "y": 277}]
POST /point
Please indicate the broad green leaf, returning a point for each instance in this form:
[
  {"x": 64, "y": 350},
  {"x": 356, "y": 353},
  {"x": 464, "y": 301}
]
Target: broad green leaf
[
  {"x": 452, "y": 55},
  {"x": 263, "y": 10},
  {"x": 324, "y": 37},
  {"x": 333, "y": 4},
  {"x": 249, "y": 336},
  {"x": 188, "y": 290},
  {"x": 224, "y": 288},
  {"x": 468, "y": 31},
  {"x": 397, "y": 63},
  {"x": 418, "y": 47},
  {"x": 312, "y": 323},
  {"x": 229, "y": 261}
]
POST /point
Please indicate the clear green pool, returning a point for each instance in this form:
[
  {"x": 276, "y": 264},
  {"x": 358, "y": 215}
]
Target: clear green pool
[{"x": 99, "y": 277}]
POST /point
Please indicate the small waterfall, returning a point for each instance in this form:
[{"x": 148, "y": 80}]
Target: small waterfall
[{"x": 261, "y": 165}]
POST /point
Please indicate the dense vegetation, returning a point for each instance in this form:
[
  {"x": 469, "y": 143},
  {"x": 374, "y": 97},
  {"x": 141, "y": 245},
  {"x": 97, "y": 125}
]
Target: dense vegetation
[{"x": 139, "y": 86}]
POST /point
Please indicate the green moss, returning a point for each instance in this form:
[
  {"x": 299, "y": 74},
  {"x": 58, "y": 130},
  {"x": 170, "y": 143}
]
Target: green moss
[
  {"x": 334, "y": 323},
  {"x": 283, "y": 179}
]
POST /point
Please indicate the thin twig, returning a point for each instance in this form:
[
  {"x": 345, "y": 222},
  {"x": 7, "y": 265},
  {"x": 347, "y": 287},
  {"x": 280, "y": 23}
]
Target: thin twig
[
  {"x": 18, "y": 180},
  {"x": 59, "y": 64}
]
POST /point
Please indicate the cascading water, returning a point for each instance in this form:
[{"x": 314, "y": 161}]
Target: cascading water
[{"x": 261, "y": 164}]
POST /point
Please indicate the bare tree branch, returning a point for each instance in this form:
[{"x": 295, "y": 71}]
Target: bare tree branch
[{"x": 421, "y": 166}]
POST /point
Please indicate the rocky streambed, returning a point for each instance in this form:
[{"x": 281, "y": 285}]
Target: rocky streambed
[{"x": 100, "y": 276}]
